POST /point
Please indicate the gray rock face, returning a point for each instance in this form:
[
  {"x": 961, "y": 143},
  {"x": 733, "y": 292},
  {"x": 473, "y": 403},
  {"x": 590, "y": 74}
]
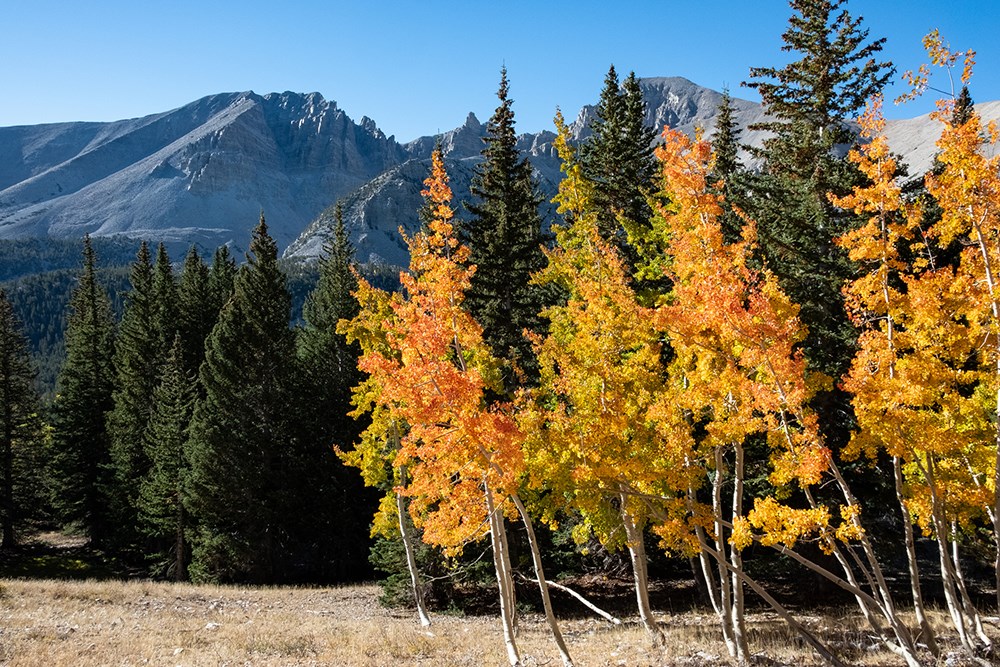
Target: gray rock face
[{"x": 201, "y": 173}]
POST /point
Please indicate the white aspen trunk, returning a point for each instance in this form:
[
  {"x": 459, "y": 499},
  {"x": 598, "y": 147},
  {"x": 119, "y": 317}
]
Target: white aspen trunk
[
  {"x": 543, "y": 587},
  {"x": 502, "y": 565},
  {"x": 949, "y": 579},
  {"x": 509, "y": 569},
  {"x": 995, "y": 314},
  {"x": 970, "y": 608},
  {"x": 926, "y": 632},
  {"x": 875, "y": 577},
  {"x": 810, "y": 639},
  {"x": 708, "y": 575},
  {"x": 637, "y": 552},
  {"x": 739, "y": 617},
  {"x": 725, "y": 591},
  {"x": 411, "y": 562}
]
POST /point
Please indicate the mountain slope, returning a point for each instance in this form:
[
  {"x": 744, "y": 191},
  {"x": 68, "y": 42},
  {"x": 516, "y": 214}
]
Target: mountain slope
[{"x": 201, "y": 173}]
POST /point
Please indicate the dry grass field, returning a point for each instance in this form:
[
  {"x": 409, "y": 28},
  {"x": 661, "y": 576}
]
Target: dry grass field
[{"x": 90, "y": 624}]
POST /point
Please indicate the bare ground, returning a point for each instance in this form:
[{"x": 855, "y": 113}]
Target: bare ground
[{"x": 90, "y": 623}]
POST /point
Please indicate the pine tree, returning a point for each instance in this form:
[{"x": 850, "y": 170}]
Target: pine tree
[
  {"x": 506, "y": 239},
  {"x": 221, "y": 277},
  {"x": 82, "y": 459},
  {"x": 161, "y": 492},
  {"x": 196, "y": 310},
  {"x": 137, "y": 361},
  {"x": 165, "y": 301},
  {"x": 810, "y": 100},
  {"x": 329, "y": 369},
  {"x": 245, "y": 472},
  {"x": 19, "y": 426},
  {"x": 727, "y": 167},
  {"x": 618, "y": 159}
]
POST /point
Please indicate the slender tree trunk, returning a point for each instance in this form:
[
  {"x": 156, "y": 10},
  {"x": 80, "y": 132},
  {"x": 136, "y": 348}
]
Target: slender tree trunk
[
  {"x": 739, "y": 617},
  {"x": 637, "y": 553},
  {"x": 880, "y": 601},
  {"x": 926, "y": 632},
  {"x": 810, "y": 639},
  {"x": 736, "y": 649},
  {"x": 543, "y": 587},
  {"x": 180, "y": 573},
  {"x": 8, "y": 538},
  {"x": 411, "y": 561},
  {"x": 502, "y": 565},
  {"x": 509, "y": 569},
  {"x": 970, "y": 608}
]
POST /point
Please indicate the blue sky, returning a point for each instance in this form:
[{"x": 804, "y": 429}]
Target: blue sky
[{"x": 419, "y": 67}]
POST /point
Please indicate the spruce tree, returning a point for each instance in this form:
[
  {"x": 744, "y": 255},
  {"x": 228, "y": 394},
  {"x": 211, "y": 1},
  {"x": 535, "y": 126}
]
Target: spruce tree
[
  {"x": 810, "y": 100},
  {"x": 618, "y": 159},
  {"x": 161, "y": 493},
  {"x": 728, "y": 169},
  {"x": 505, "y": 237},
  {"x": 245, "y": 475},
  {"x": 221, "y": 277},
  {"x": 19, "y": 423},
  {"x": 137, "y": 361},
  {"x": 165, "y": 300},
  {"x": 81, "y": 453},
  {"x": 197, "y": 310},
  {"x": 329, "y": 362},
  {"x": 328, "y": 370}
]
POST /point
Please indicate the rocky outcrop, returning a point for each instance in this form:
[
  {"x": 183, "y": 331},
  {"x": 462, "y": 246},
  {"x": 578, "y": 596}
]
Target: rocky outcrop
[{"x": 201, "y": 173}]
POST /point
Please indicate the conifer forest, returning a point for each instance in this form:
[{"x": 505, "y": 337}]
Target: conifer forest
[{"x": 766, "y": 370}]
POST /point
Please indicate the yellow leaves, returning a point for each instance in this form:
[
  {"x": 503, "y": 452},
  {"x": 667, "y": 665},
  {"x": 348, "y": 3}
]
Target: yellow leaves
[
  {"x": 779, "y": 524},
  {"x": 742, "y": 535},
  {"x": 428, "y": 370},
  {"x": 940, "y": 54}
]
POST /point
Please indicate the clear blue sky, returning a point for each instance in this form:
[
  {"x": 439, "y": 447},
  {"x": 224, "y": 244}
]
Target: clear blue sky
[{"x": 420, "y": 67}]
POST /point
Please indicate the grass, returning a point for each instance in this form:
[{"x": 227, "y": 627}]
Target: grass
[{"x": 129, "y": 623}]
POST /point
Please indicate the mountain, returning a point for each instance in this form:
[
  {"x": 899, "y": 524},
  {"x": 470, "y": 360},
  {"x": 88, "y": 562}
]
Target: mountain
[
  {"x": 198, "y": 174},
  {"x": 202, "y": 173},
  {"x": 673, "y": 101}
]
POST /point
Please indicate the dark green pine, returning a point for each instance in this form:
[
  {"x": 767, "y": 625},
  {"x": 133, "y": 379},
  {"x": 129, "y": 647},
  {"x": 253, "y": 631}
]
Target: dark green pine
[
  {"x": 618, "y": 159},
  {"x": 82, "y": 472},
  {"x": 197, "y": 310},
  {"x": 138, "y": 357},
  {"x": 328, "y": 371},
  {"x": 162, "y": 513},
  {"x": 811, "y": 99},
  {"x": 221, "y": 277},
  {"x": 728, "y": 169},
  {"x": 329, "y": 362},
  {"x": 505, "y": 237},
  {"x": 165, "y": 298},
  {"x": 19, "y": 423},
  {"x": 243, "y": 485}
]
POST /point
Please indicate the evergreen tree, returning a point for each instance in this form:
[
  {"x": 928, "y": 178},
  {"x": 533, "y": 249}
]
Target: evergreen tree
[
  {"x": 165, "y": 300},
  {"x": 505, "y": 237},
  {"x": 161, "y": 493},
  {"x": 19, "y": 425},
  {"x": 196, "y": 310},
  {"x": 618, "y": 159},
  {"x": 329, "y": 362},
  {"x": 137, "y": 360},
  {"x": 81, "y": 457},
  {"x": 221, "y": 277},
  {"x": 727, "y": 167},
  {"x": 810, "y": 100},
  {"x": 963, "y": 109},
  {"x": 329, "y": 369},
  {"x": 245, "y": 474}
]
